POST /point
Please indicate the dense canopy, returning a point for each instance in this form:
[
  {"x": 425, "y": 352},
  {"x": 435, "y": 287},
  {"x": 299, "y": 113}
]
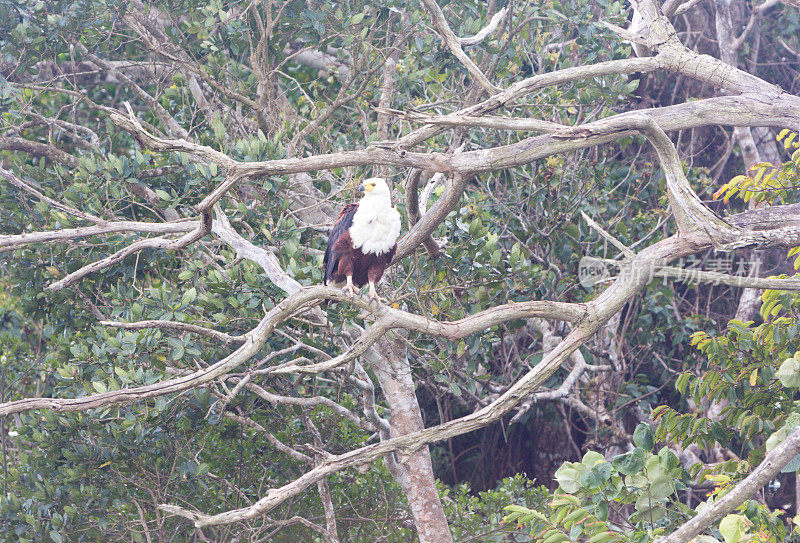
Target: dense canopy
[{"x": 592, "y": 324}]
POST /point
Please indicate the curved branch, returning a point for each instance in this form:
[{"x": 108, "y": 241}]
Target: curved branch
[
  {"x": 180, "y": 326},
  {"x": 13, "y": 241},
  {"x": 763, "y": 474},
  {"x": 599, "y": 311},
  {"x": 152, "y": 243},
  {"x": 257, "y": 337},
  {"x": 454, "y": 44}
]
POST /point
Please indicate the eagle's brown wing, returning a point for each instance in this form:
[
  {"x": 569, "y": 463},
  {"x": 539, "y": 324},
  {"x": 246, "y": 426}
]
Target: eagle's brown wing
[{"x": 333, "y": 253}]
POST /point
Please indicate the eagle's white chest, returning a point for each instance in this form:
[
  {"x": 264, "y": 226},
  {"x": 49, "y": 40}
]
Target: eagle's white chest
[{"x": 375, "y": 228}]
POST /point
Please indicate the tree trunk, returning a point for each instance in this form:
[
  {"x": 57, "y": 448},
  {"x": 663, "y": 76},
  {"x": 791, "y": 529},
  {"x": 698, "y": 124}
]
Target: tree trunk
[{"x": 415, "y": 473}]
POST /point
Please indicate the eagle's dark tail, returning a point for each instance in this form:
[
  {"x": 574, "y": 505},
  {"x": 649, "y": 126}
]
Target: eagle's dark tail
[{"x": 329, "y": 265}]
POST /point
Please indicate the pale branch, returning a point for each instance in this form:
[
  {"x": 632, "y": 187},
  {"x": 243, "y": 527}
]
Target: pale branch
[
  {"x": 413, "y": 211},
  {"x": 245, "y": 249},
  {"x": 307, "y": 297},
  {"x": 624, "y": 33},
  {"x": 36, "y": 148},
  {"x": 225, "y": 399},
  {"x": 564, "y": 393},
  {"x": 767, "y": 218},
  {"x": 427, "y": 192},
  {"x": 717, "y": 278},
  {"x": 755, "y": 16},
  {"x": 487, "y": 121},
  {"x": 482, "y": 34},
  {"x": 179, "y": 326},
  {"x": 670, "y": 6},
  {"x": 368, "y": 338},
  {"x": 690, "y": 213},
  {"x": 779, "y": 110},
  {"x": 564, "y": 389},
  {"x": 432, "y": 218},
  {"x": 73, "y": 130},
  {"x": 257, "y": 339},
  {"x": 163, "y": 115},
  {"x": 319, "y": 60},
  {"x": 684, "y": 8},
  {"x": 14, "y": 241},
  {"x": 624, "y": 249},
  {"x": 281, "y": 524},
  {"x": 132, "y": 125},
  {"x": 312, "y": 401},
  {"x": 453, "y": 43},
  {"x": 388, "y": 318},
  {"x": 676, "y": 57},
  {"x": 367, "y": 388},
  {"x": 766, "y": 471},
  {"x": 692, "y": 275},
  {"x": 527, "y": 86},
  {"x": 26, "y": 187},
  {"x": 163, "y": 243}
]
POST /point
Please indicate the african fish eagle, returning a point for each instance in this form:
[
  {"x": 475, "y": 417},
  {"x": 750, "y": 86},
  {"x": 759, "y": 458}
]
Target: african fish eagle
[{"x": 363, "y": 241}]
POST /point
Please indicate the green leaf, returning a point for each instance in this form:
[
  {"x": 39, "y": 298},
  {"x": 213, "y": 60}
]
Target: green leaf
[
  {"x": 643, "y": 436},
  {"x": 592, "y": 458},
  {"x": 596, "y": 476},
  {"x": 188, "y": 297},
  {"x": 629, "y": 463},
  {"x": 99, "y": 386},
  {"x": 604, "y": 537},
  {"x": 789, "y": 373},
  {"x": 733, "y": 528},
  {"x": 662, "y": 487},
  {"x": 567, "y": 477}
]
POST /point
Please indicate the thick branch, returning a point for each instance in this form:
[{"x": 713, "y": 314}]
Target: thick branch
[{"x": 763, "y": 474}]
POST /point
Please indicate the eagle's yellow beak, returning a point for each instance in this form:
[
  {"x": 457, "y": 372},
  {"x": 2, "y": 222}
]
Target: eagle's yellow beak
[{"x": 367, "y": 187}]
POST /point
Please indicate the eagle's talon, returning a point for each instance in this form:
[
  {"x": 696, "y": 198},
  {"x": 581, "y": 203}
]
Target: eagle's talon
[
  {"x": 350, "y": 291},
  {"x": 378, "y": 300}
]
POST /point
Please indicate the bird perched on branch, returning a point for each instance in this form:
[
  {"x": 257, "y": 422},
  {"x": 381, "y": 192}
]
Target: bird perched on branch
[{"x": 363, "y": 241}]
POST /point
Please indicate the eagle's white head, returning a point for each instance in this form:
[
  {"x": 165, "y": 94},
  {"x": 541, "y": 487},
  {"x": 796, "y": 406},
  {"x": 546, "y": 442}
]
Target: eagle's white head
[{"x": 376, "y": 191}]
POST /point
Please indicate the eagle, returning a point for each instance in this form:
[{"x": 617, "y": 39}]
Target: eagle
[{"x": 363, "y": 240}]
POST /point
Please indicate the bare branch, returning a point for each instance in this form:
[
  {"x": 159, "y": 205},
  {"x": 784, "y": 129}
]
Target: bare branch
[
  {"x": 245, "y": 249},
  {"x": 763, "y": 474},
  {"x": 13, "y": 241},
  {"x": 494, "y": 22},
  {"x": 599, "y": 311},
  {"x": 24, "y": 186},
  {"x": 304, "y": 298},
  {"x": 152, "y": 243},
  {"x": 453, "y": 43},
  {"x": 179, "y": 326},
  {"x": 9, "y": 143}
]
